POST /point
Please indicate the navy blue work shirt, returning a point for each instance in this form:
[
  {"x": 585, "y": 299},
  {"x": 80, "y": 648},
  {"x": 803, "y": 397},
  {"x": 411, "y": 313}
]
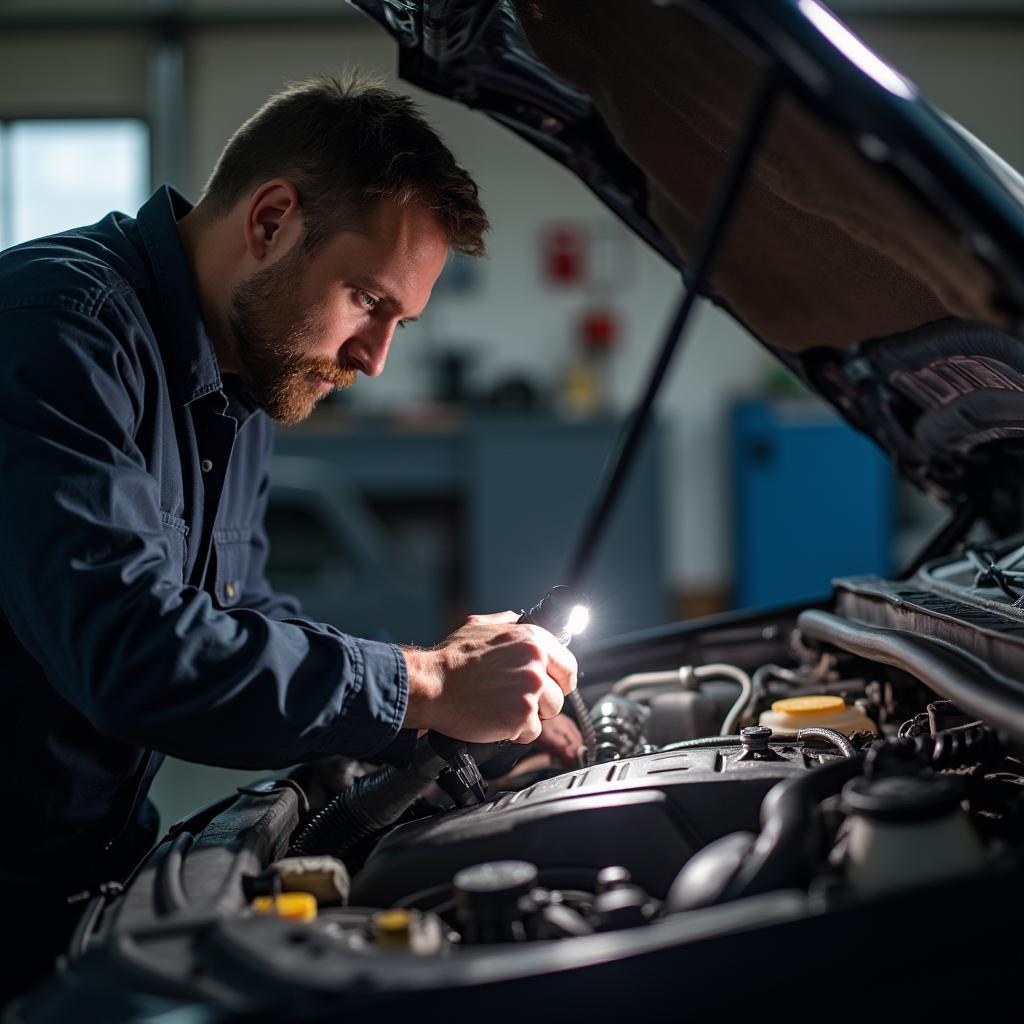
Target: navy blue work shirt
[{"x": 136, "y": 618}]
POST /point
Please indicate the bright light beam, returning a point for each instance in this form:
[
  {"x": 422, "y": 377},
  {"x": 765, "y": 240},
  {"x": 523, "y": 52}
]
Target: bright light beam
[
  {"x": 579, "y": 618},
  {"x": 855, "y": 50}
]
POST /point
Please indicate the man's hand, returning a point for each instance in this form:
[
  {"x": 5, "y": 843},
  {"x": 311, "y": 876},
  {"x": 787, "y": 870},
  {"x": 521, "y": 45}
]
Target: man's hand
[
  {"x": 491, "y": 680},
  {"x": 560, "y": 738}
]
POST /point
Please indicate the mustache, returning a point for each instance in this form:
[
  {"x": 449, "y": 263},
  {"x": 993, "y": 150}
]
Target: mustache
[{"x": 339, "y": 376}]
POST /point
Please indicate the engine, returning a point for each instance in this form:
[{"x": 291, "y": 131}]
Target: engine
[{"x": 804, "y": 787}]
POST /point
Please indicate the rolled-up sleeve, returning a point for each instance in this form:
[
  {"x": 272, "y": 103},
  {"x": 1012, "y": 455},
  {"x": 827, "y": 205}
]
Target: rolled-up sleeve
[{"x": 89, "y": 587}]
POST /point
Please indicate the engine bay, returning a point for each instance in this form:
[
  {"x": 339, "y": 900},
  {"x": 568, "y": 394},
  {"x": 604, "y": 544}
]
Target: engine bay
[{"x": 791, "y": 777}]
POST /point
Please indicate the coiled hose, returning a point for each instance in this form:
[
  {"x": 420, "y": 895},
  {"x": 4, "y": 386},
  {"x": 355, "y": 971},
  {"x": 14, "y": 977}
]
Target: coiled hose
[
  {"x": 962, "y": 745},
  {"x": 372, "y": 804}
]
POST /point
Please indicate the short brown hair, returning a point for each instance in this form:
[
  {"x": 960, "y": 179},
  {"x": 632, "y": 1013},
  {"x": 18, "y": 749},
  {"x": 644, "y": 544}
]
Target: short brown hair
[{"x": 346, "y": 144}]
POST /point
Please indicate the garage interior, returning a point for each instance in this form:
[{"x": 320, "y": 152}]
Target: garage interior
[{"x": 460, "y": 480}]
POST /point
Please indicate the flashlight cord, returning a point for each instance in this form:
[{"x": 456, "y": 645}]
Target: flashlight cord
[{"x": 586, "y": 724}]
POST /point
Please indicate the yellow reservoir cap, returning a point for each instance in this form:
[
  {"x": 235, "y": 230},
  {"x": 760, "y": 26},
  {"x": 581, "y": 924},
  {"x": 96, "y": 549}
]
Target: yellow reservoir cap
[
  {"x": 795, "y": 713},
  {"x": 814, "y": 705},
  {"x": 393, "y": 928},
  {"x": 392, "y": 921},
  {"x": 293, "y": 906}
]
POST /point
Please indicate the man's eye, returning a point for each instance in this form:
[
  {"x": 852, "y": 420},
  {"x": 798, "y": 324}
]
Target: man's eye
[
  {"x": 403, "y": 323},
  {"x": 369, "y": 301}
]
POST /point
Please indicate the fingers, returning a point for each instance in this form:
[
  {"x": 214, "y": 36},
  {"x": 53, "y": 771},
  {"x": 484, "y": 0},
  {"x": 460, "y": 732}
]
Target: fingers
[
  {"x": 494, "y": 618},
  {"x": 549, "y": 700},
  {"x": 530, "y": 732},
  {"x": 561, "y": 663},
  {"x": 498, "y": 680},
  {"x": 546, "y": 704}
]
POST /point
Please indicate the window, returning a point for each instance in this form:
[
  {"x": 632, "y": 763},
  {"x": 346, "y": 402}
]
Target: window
[{"x": 57, "y": 174}]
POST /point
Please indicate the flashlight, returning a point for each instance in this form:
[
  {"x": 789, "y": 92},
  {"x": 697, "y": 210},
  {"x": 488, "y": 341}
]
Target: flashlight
[
  {"x": 562, "y": 612},
  {"x": 566, "y": 612}
]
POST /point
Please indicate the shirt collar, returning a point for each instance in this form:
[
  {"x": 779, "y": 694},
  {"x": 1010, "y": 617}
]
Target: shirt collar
[{"x": 192, "y": 363}]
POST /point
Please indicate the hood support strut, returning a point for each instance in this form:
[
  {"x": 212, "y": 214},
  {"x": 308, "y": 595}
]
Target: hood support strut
[{"x": 711, "y": 235}]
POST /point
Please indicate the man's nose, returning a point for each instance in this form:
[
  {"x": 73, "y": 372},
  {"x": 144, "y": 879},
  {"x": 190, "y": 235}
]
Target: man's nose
[{"x": 369, "y": 349}]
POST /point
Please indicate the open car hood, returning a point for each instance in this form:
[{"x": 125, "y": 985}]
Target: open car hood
[{"x": 877, "y": 249}]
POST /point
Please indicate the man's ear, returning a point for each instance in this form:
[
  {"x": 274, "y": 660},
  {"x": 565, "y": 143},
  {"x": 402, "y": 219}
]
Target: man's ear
[{"x": 273, "y": 220}]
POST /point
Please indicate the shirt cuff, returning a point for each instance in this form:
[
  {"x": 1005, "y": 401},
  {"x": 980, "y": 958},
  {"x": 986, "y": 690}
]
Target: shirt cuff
[{"x": 371, "y": 716}]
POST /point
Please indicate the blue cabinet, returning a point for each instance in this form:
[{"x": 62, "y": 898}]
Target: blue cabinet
[{"x": 812, "y": 499}]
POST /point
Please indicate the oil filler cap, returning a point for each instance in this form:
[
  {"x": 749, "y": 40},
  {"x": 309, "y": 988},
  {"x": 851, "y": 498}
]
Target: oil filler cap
[
  {"x": 487, "y": 898},
  {"x": 754, "y": 741}
]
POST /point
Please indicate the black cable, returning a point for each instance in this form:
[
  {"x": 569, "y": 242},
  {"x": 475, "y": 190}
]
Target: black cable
[
  {"x": 989, "y": 573},
  {"x": 948, "y": 535},
  {"x": 701, "y": 742},
  {"x": 712, "y": 233},
  {"x": 370, "y": 805},
  {"x": 85, "y": 926}
]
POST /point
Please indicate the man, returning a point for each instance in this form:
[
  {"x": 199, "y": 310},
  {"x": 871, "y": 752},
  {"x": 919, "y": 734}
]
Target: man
[{"x": 142, "y": 362}]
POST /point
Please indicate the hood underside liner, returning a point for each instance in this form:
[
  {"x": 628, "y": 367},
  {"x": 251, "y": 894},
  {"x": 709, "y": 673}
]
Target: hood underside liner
[{"x": 833, "y": 261}]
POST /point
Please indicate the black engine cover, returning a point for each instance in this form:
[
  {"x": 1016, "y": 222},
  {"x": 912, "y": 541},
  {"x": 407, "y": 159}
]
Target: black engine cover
[{"x": 649, "y": 814}]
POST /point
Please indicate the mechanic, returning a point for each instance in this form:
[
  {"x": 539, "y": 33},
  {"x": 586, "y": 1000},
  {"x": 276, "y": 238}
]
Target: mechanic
[{"x": 143, "y": 361}]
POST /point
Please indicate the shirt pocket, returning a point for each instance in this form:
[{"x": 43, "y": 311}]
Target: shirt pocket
[
  {"x": 176, "y": 532},
  {"x": 233, "y": 550}
]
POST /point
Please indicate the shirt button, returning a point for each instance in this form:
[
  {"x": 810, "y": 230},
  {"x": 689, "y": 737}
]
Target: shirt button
[
  {"x": 229, "y": 589},
  {"x": 206, "y": 465}
]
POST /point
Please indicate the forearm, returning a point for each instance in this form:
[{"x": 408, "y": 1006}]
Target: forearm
[
  {"x": 238, "y": 689},
  {"x": 157, "y": 664}
]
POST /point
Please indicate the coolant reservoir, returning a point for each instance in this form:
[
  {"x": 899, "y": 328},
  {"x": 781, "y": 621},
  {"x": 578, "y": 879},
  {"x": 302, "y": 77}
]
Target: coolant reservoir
[
  {"x": 795, "y": 713},
  {"x": 905, "y": 831}
]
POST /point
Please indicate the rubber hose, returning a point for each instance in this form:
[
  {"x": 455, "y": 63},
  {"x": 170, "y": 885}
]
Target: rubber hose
[
  {"x": 960, "y": 677},
  {"x": 786, "y": 848},
  {"x": 833, "y": 736},
  {"x": 784, "y": 852}
]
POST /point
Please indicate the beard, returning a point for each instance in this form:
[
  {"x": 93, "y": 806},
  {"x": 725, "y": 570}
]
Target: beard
[{"x": 271, "y": 332}]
